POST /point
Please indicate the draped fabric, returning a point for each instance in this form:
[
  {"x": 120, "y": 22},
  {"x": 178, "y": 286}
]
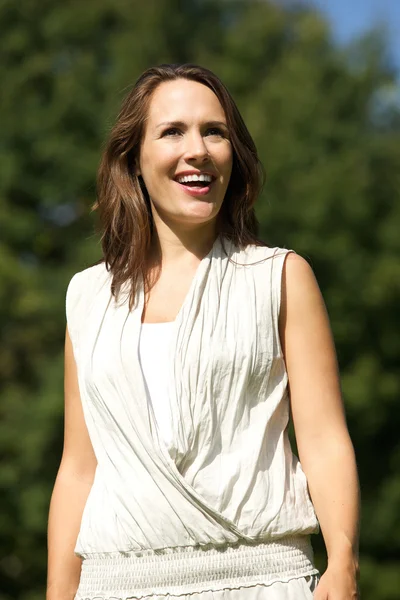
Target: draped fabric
[{"x": 229, "y": 475}]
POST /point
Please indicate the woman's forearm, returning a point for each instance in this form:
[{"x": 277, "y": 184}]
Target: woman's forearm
[
  {"x": 66, "y": 507},
  {"x": 333, "y": 483}
]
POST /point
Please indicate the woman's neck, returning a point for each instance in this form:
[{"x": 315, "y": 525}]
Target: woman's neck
[{"x": 173, "y": 246}]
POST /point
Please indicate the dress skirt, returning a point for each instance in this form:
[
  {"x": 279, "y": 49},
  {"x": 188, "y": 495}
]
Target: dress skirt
[{"x": 301, "y": 588}]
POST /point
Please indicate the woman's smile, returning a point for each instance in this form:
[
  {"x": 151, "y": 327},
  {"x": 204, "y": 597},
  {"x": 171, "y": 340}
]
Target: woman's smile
[{"x": 195, "y": 183}]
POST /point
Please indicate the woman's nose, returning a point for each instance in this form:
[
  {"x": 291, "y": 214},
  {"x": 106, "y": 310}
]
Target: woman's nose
[{"x": 196, "y": 148}]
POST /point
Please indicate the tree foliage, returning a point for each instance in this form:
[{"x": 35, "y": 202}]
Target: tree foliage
[{"x": 330, "y": 145}]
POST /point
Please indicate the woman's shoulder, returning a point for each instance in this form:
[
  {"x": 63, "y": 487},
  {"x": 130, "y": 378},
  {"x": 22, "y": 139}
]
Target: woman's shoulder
[
  {"x": 86, "y": 284},
  {"x": 91, "y": 274},
  {"x": 259, "y": 253}
]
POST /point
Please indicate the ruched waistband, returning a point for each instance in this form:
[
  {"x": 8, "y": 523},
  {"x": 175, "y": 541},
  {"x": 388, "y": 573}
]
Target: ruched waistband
[{"x": 184, "y": 570}]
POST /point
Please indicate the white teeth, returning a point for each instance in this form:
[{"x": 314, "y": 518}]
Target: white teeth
[{"x": 201, "y": 177}]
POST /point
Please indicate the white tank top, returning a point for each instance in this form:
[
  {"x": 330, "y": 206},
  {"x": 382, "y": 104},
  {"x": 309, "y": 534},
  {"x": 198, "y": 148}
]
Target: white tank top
[{"x": 154, "y": 348}]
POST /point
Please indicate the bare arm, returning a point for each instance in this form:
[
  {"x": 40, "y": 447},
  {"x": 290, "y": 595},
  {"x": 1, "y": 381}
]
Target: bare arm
[
  {"x": 325, "y": 449},
  {"x": 71, "y": 489}
]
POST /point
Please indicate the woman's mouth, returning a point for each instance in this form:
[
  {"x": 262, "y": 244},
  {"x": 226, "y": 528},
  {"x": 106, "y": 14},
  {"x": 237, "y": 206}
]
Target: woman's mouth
[{"x": 195, "y": 185}]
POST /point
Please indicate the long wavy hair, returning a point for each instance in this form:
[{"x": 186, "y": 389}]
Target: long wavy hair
[{"x": 125, "y": 218}]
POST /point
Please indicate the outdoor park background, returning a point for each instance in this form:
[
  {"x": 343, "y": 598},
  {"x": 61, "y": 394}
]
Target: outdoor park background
[{"x": 327, "y": 124}]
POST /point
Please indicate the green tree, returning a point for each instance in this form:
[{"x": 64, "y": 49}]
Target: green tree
[{"x": 332, "y": 155}]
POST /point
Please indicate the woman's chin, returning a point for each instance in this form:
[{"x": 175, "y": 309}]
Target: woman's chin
[
  {"x": 202, "y": 210},
  {"x": 197, "y": 213}
]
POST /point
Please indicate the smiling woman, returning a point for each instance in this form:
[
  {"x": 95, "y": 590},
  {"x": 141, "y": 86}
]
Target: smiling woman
[
  {"x": 177, "y": 121},
  {"x": 185, "y": 346}
]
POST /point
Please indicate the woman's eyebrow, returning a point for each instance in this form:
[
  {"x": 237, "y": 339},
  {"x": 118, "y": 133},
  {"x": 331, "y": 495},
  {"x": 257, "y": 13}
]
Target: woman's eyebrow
[
  {"x": 182, "y": 124},
  {"x": 170, "y": 124},
  {"x": 216, "y": 124}
]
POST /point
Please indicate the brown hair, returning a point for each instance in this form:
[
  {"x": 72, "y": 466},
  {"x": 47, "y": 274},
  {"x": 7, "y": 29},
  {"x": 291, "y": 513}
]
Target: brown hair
[{"x": 126, "y": 223}]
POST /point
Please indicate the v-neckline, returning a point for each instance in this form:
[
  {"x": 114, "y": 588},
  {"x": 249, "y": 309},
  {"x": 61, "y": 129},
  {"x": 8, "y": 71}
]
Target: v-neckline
[{"x": 170, "y": 452}]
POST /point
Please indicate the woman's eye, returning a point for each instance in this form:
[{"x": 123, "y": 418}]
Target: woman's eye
[
  {"x": 215, "y": 131},
  {"x": 171, "y": 131}
]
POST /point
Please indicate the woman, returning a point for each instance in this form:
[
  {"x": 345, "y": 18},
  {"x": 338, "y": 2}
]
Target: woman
[{"x": 177, "y": 477}]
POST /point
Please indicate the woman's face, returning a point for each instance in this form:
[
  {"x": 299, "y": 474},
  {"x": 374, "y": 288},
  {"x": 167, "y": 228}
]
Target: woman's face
[{"x": 185, "y": 155}]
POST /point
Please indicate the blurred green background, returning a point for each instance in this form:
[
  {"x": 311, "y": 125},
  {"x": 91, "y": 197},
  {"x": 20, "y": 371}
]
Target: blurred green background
[{"x": 328, "y": 133}]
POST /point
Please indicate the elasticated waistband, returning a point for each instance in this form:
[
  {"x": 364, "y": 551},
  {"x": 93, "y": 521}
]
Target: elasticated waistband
[{"x": 184, "y": 570}]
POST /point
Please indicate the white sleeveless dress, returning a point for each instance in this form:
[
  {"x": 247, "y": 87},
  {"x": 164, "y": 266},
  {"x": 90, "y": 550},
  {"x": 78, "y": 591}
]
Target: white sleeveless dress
[{"x": 210, "y": 504}]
